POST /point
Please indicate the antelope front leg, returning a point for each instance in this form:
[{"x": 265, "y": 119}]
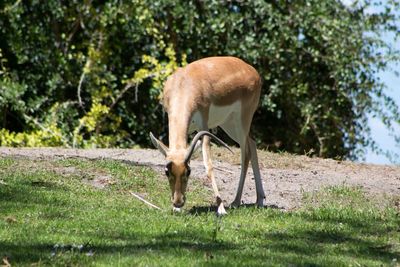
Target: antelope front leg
[{"x": 210, "y": 174}]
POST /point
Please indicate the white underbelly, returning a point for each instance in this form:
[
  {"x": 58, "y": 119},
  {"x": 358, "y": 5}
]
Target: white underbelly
[{"x": 217, "y": 116}]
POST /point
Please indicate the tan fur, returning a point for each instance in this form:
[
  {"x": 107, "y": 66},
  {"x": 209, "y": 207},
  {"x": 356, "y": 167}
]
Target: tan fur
[
  {"x": 217, "y": 81},
  {"x": 178, "y": 186}
]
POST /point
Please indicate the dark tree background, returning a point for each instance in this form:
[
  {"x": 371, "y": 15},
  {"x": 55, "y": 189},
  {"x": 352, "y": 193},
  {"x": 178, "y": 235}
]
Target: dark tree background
[{"x": 90, "y": 73}]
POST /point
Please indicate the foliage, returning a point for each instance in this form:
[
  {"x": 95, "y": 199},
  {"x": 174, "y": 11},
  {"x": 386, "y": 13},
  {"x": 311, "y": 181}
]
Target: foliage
[
  {"x": 51, "y": 214},
  {"x": 93, "y": 71}
]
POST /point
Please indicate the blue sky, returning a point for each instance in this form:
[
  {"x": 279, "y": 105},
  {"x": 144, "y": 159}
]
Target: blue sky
[{"x": 379, "y": 132}]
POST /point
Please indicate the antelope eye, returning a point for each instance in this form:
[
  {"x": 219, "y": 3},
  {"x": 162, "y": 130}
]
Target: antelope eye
[{"x": 168, "y": 169}]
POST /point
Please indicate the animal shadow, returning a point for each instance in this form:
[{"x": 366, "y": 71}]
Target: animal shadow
[{"x": 198, "y": 210}]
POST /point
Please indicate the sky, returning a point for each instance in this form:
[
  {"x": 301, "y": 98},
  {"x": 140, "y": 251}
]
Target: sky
[{"x": 378, "y": 131}]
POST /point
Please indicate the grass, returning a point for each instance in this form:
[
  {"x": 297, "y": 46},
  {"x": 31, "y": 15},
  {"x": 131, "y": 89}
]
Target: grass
[{"x": 53, "y": 213}]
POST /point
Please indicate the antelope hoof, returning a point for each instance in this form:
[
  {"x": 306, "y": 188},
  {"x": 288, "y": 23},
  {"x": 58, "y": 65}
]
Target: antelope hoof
[
  {"x": 235, "y": 204},
  {"x": 221, "y": 210},
  {"x": 260, "y": 202}
]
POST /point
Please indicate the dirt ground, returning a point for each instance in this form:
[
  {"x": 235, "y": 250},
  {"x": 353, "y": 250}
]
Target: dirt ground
[{"x": 285, "y": 177}]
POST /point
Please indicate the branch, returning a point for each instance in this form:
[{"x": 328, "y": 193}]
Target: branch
[
  {"x": 223, "y": 170},
  {"x": 80, "y": 85},
  {"x": 128, "y": 86},
  {"x": 145, "y": 201},
  {"x": 86, "y": 69},
  {"x": 35, "y": 121}
]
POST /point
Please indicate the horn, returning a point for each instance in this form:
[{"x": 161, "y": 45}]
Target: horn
[{"x": 197, "y": 137}]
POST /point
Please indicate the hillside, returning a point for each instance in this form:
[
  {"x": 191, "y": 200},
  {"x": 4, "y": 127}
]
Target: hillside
[{"x": 286, "y": 178}]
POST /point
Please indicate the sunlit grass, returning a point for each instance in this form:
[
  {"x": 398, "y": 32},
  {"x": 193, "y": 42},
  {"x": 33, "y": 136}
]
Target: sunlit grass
[{"x": 52, "y": 214}]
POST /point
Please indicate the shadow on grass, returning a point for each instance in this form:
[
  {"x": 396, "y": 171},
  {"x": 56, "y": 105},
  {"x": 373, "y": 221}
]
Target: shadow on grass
[
  {"x": 300, "y": 248},
  {"x": 199, "y": 210},
  {"x": 32, "y": 192},
  {"x": 24, "y": 253},
  {"x": 170, "y": 244},
  {"x": 315, "y": 242}
]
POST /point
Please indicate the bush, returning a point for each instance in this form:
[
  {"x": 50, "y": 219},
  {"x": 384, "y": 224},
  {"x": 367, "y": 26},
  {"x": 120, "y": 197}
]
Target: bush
[{"x": 91, "y": 74}]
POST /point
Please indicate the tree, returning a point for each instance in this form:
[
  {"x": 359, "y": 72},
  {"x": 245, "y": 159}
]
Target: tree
[{"x": 94, "y": 71}]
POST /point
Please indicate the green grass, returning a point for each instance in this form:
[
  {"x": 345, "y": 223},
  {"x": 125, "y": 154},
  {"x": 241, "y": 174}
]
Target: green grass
[{"x": 51, "y": 214}]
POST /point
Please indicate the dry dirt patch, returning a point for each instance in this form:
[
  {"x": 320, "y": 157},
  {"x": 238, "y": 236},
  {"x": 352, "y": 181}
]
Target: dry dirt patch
[{"x": 285, "y": 177}]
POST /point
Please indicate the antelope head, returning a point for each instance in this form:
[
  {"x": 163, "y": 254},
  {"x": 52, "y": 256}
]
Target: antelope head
[{"x": 177, "y": 168}]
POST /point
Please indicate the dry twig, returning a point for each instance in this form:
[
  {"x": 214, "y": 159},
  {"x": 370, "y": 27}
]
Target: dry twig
[
  {"x": 145, "y": 201},
  {"x": 224, "y": 170}
]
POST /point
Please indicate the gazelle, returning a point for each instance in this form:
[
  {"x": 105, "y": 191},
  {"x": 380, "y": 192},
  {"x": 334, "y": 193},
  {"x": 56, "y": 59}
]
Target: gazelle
[{"x": 210, "y": 92}]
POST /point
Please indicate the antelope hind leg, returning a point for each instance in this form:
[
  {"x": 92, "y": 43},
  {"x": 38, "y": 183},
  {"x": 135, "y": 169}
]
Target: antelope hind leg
[
  {"x": 244, "y": 153},
  {"x": 257, "y": 174}
]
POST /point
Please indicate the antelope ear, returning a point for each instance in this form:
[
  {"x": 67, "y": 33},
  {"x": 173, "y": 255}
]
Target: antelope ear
[{"x": 159, "y": 145}]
